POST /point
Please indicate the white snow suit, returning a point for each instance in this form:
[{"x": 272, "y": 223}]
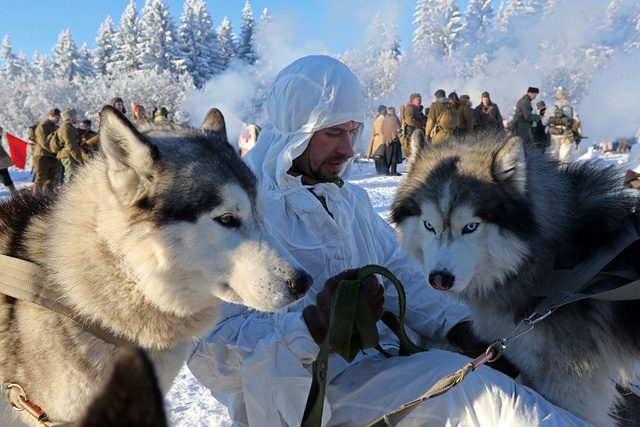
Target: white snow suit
[{"x": 259, "y": 365}]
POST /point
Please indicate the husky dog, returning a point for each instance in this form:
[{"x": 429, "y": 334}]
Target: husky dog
[
  {"x": 147, "y": 241},
  {"x": 489, "y": 220}
]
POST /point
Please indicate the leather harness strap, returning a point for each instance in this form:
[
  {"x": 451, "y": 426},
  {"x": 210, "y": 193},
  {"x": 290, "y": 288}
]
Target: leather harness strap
[{"x": 26, "y": 281}]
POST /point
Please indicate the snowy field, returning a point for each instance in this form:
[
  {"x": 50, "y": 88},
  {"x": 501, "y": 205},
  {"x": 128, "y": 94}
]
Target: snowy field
[{"x": 188, "y": 403}]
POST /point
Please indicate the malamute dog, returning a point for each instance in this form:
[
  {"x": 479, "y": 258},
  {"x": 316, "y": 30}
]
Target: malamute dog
[
  {"x": 146, "y": 242},
  {"x": 489, "y": 220}
]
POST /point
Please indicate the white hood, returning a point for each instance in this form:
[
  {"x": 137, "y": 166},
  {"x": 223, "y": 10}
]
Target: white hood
[{"x": 321, "y": 92}]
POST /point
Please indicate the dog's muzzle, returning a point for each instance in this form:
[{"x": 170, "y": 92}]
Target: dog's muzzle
[{"x": 441, "y": 280}]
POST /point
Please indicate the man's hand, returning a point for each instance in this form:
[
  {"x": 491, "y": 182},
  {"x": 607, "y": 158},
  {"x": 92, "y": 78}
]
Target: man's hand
[
  {"x": 317, "y": 316},
  {"x": 461, "y": 335}
]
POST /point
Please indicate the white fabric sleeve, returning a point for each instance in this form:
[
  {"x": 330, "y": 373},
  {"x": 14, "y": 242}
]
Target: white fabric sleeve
[{"x": 265, "y": 357}]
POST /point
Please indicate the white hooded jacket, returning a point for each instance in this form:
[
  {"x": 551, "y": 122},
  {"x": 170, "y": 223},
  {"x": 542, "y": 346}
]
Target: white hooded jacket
[{"x": 259, "y": 365}]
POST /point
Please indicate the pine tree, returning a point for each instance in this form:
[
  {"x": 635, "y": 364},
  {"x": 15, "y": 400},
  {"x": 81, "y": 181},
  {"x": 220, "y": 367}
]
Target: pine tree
[
  {"x": 65, "y": 58},
  {"x": 11, "y": 69},
  {"x": 382, "y": 60},
  {"x": 439, "y": 24},
  {"x": 159, "y": 49},
  {"x": 245, "y": 44},
  {"x": 226, "y": 42},
  {"x": 41, "y": 66},
  {"x": 85, "y": 62},
  {"x": 478, "y": 19},
  {"x": 125, "y": 58},
  {"x": 105, "y": 46},
  {"x": 199, "y": 42}
]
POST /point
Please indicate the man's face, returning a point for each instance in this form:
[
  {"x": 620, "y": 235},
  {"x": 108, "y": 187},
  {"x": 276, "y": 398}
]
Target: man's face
[
  {"x": 119, "y": 106},
  {"x": 417, "y": 101},
  {"x": 532, "y": 95},
  {"x": 73, "y": 120},
  {"x": 485, "y": 101},
  {"x": 55, "y": 119},
  {"x": 328, "y": 149}
]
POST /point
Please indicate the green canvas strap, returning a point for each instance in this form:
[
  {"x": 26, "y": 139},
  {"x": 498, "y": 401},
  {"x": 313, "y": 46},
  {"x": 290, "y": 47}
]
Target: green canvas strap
[{"x": 350, "y": 311}]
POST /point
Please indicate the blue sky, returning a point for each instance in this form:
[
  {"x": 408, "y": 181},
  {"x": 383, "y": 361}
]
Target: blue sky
[{"x": 338, "y": 24}]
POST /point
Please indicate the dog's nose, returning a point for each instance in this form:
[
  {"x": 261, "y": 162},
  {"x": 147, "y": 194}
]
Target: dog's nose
[
  {"x": 441, "y": 280},
  {"x": 300, "y": 283}
]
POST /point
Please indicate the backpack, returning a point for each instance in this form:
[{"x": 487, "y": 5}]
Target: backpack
[
  {"x": 32, "y": 133},
  {"x": 558, "y": 118},
  {"x": 448, "y": 119},
  {"x": 54, "y": 143}
]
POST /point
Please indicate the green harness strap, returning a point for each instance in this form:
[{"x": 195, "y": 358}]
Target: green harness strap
[{"x": 349, "y": 312}]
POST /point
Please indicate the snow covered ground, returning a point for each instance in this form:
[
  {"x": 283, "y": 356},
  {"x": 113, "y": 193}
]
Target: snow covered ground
[{"x": 189, "y": 403}]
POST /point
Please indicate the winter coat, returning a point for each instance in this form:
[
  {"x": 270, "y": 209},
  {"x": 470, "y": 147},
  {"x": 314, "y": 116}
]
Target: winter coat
[
  {"x": 5, "y": 159},
  {"x": 393, "y": 151},
  {"x": 490, "y": 117},
  {"x": 465, "y": 114},
  {"x": 524, "y": 110},
  {"x": 525, "y": 118},
  {"x": 68, "y": 136},
  {"x": 43, "y": 130},
  {"x": 435, "y": 112},
  {"x": 413, "y": 116},
  {"x": 161, "y": 120},
  {"x": 259, "y": 364},
  {"x": 377, "y": 140}
]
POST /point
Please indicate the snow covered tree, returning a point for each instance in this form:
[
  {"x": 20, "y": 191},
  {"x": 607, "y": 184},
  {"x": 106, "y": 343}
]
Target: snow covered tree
[
  {"x": 199, "y": 42},
  {"x": 41, "y": 66},
  {"x": 438, "y": 25},
  {"x": 159, "y": 49},
  {"x": 85, "y": 62},
  {"x": 478, "y": 19},
  {"x": 245, "y": 43},
  {"x": 65, "y": 58},
  {"x": 105, "y": 46},
  {"x": 381, "y": 63},
  {"x": 226, "y": 42},
  {"x": 11, "y": 69},
  {"x": 127, "y": 53}
]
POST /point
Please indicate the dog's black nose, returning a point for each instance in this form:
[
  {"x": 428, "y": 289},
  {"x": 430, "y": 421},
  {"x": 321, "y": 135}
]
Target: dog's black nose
[
  {"x": 441, "y": 280},
  {"x": 300, "y": 283}
]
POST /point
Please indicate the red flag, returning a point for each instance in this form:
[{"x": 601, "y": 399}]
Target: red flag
[{"x": 18, "y": 150}]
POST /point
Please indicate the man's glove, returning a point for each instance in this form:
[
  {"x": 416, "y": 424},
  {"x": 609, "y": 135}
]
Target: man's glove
[
  {"x": 461, "y": 335},
  {"x": 317, "y": 316}
]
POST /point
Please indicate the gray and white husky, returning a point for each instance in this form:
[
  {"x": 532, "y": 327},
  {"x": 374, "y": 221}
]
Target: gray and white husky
[
  {"x": 147, "y": 241},
  {"x": 489, "y": 220}
]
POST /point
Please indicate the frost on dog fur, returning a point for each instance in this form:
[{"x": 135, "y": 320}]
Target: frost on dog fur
[
  {"x": 148, "y": 241},
  {"x": 489, "y": 220}
]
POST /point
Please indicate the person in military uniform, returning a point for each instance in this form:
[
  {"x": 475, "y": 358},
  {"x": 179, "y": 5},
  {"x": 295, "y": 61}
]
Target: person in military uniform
[
  {"x": 489, "y": 114},
  {"x": 70, "y": 154},
  {"x": 525, "y": 117},
  {"x": 45, "y": 164}
]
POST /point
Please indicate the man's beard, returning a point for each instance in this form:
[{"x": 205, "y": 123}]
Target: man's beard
[{"x": 332, "y": 174}]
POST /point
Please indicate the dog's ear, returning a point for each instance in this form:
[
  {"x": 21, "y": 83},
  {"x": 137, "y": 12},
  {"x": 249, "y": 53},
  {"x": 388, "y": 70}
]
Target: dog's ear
[
  {"x": 417, "y": 144},
  {"x": 129, "y": 156},
  {"x": 509, "y": 164},
  {"x": 214, "y": 125}
]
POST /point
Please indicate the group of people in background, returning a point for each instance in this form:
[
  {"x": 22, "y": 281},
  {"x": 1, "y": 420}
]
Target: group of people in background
[
  {"x": 59, "y": 150},
  {"x": 555, "y": 130}
]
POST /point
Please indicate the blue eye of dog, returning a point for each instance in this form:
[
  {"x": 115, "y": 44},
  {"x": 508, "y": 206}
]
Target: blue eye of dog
[
  {"x": 470, "y": 228},
  {"x": 228, "y": 220},
  {"x": 429, "y": 227}
]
